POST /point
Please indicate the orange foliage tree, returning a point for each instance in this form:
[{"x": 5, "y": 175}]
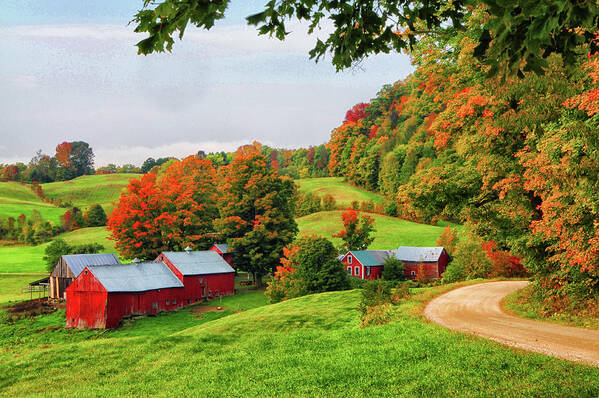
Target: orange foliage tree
[
  {"x": 356, "y": 233},
  {"x": 168, "y": 212}
]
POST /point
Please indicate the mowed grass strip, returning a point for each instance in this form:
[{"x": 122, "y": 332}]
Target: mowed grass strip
[
  {"x": 343, "y": 192},
  {"x": 29, "y": 259},
  {"x": 390, "y": 232},
  {"x": 89, "y": 190},
  {"x": 17, "y": 199},
  {"x": 310, "y": 346}
]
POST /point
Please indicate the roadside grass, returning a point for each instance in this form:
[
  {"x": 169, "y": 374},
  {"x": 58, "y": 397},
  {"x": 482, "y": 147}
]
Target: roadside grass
[
  {"x": 85, "y": 191},
  {"x": 17, "y": 199},
  {"x": 310, "y": 346},
  {"x": 521, "y": 303},
  {"x": 29, "y": 259},
  {"x": 390, "y": 232},
  {"x": 343, "y": 192},
  {"x": 12, "y": 284}
]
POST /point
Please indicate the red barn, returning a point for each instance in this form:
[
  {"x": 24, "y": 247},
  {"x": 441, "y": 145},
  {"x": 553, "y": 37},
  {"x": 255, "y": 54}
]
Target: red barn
[
  {"x": 434, "y": 260},
  {"x": 102, "y": 295},
  {"x": 365, "y": 264},
  {"x": 205, "y": 274},
  {"x": 225, "y": 252}
]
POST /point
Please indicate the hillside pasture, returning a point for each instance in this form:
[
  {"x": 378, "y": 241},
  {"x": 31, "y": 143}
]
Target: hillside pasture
[
  {"x": 17, "y": 199},
  {"x": 343, "y": 192},
  {"x": 85, "y": 191},
  {"x": 11, "y": 286},
  {"x": 310, "y": 346},
  {"x": 390, "y": 232},
  {"x": 29, "y": 259}
]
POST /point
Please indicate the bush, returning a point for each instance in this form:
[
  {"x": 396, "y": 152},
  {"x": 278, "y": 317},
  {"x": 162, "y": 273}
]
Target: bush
[
  {"x": 401, "y": 292},
  {"x": 355, "y": 205},
  {"x": 307, "y": 204},
  {"x": 470, "y": 258},
  {"x": 391, "y": 210},
  {"x": 377, "y": 315},
  {"x": 56, "y": 249},
  {"x": 328, "y": 202},
  {"x": 393, "y": 269},
  {"x": 367, "y": 206},
  {"x": 318, "y": 267},
  {"x": 375, "y": 292},
  {"x": 95, "y": 216},
  {"x": 357, "y": 283}
]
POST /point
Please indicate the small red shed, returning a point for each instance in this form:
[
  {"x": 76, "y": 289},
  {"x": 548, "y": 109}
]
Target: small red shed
[
  {"x": 365, "y": 264},
  {"x": 225, "y": 252},
  {"x": 102, "y": 295},
  {"x": 205, "y": 274},
  {"x": 434, "y": 260}
]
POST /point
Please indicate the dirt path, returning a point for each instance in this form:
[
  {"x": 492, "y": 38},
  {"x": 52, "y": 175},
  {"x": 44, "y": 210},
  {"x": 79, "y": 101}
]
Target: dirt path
[{"x": 476, "y": 309}]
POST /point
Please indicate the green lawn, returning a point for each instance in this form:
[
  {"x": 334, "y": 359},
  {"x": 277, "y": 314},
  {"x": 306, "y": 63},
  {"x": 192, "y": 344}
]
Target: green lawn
[
  {"x": 29, "y": 259},
  {"x": 390, "y": 232},
  {"x": 310, "y": 346},
  {"x": 89, "y": 190},
  {"x": 343, "y": 193},
  {"x": 17, "y": 199},
  {"x": 11, "y": 285}
]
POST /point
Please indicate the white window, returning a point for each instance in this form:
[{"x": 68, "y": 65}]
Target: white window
[
  {"x": 357, "y": 271},
  {"x": 349, "y": 270},
  {"x": 367, "y": 271},
  {"x": 155, "y": 305},
  {"x": 349, "y": 259},
  {"x": 413, "y": 273},
  {"x": 168, "y": 302}
]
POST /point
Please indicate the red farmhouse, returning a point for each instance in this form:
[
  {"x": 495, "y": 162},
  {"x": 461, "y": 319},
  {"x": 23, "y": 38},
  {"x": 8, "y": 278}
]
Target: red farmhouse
[
  {"x": 434, "y": 260},
  {"x": 205, "y": 274},
  {"x": 103, "y": 294},
  {"x": 368, "y": 264},
  {"x": 225, "y": 252},
  {"x": 365, "y": 264}
]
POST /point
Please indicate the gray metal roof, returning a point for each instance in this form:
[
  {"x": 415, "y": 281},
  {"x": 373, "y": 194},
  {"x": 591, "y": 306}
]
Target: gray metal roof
[
  {"x": 199, "y": 262},
  {"x": 223, "y": 247},
  {"x": 135, "y": 277},
  {"x": 77, "y": 262},
  {"x": 418, "y": 254}
]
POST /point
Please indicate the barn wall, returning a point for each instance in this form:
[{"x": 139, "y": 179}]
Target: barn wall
[
  {"x": 86, "y": 303},
  {"x": 220, "y": 284},
  {"x": 443, "y": 261},
  {"x": 355, "y": 263},
  {"x": 120, "y": 305},
  {"x": 375, "y": 273},
  {"x": 431, "y": 270}
]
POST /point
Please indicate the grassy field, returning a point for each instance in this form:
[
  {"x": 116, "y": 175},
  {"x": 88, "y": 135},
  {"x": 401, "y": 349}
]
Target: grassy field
[
  {"x": 17, "y": 199},
  {"x": 390, "y": 232},
  {"x": 89, "y": 190},
  {"x": 310, "y": 346},
  {"x": 11, "y": 285},
  {"x": 343, "y": 193},
  {"x": 29, "y": 259}
]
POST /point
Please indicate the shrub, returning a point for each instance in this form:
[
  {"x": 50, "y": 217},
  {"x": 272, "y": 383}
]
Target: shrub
[
  {"x": 367, "y": 206},
  {"x": 393, "y": 269},
  {"x": 95, "y": 216},
  {"x": 391, "y": 209},
  {"x": 401, "y": 292},
  {"x": 448, "y": 239},
  {"x": 376, "y": 315},
  {"x": 307, "y": 204},
  {"x": 318, "y": 267},
  {"x": 471, "y": 258},
  {"x": 375, "y": 292},
  {"x": 56, "y": 249},
  {"x": 355, "y": 205},
  {"x": 328, "y": 202}
]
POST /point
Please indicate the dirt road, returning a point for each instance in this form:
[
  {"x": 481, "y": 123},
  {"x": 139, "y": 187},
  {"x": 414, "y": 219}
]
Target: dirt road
[{"x": 476, "y": 309}]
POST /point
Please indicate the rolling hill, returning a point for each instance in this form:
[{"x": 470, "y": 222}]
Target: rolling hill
[
  {"x": 29, "y": 259},
  {"x": 310, "y": 346},
  {"x": 89, "y": 190},
  {"x": 343, "y": 192},
  {"x": 17, "y": 199},
  {"x": 390, "y": 232}
]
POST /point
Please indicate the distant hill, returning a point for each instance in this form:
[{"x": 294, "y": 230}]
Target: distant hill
[
  {"x": 89, "y": 190},
  {"x": 390, "y": 232},
  {"x": 17, "y": 199},
  {"x": 29, "y": 259},
  {"x": 343, "y": 192}
]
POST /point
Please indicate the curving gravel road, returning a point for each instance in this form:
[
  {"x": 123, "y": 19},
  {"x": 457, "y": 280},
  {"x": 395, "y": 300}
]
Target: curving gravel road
[{"x": 476, "y": 309}]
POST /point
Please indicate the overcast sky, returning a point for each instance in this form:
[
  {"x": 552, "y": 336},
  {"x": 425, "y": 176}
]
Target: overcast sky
[{"x": 69, "y": 71}]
